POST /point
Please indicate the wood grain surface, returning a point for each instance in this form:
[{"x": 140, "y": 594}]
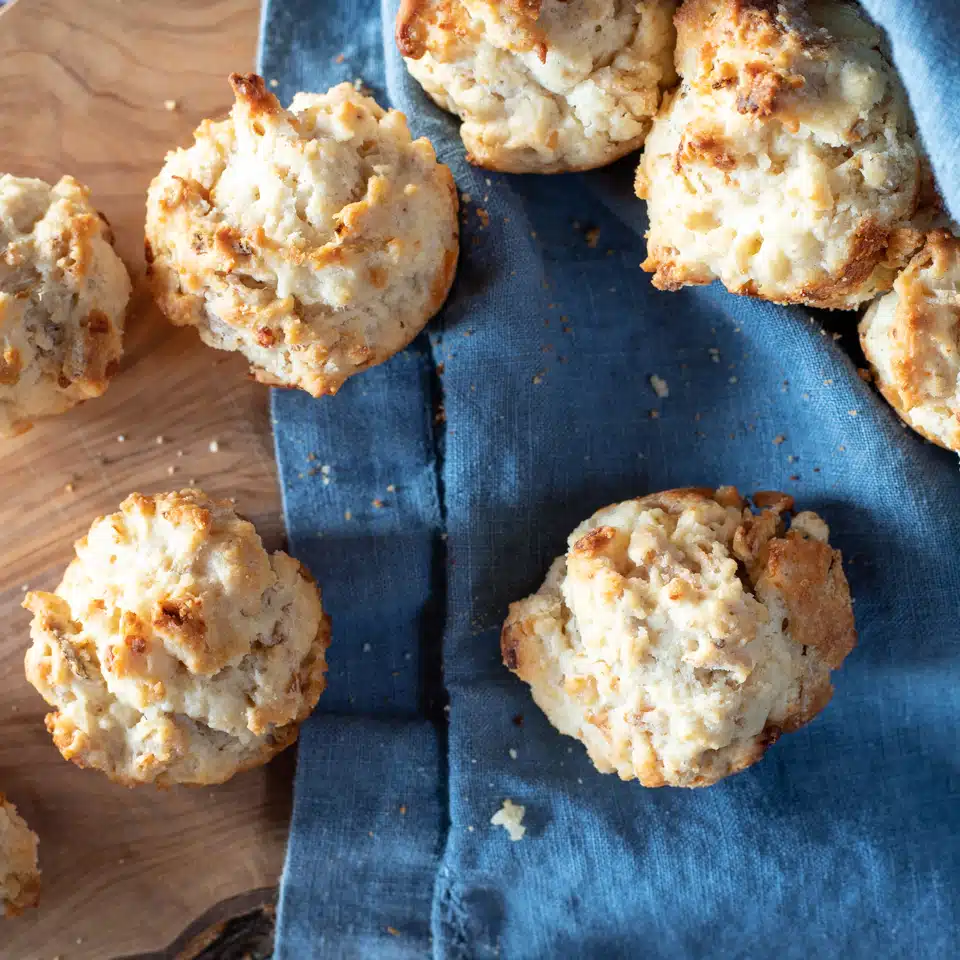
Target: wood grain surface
[{"x": 82, "y": 91}]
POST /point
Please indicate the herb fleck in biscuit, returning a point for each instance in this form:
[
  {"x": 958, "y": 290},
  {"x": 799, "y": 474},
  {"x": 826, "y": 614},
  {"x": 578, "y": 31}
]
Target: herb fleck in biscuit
[
  {"x": 19, "y": 873},
  {"x": 63, "y": 296},
  {"x": 176, "y": 649},
  {"x": 317, "y": 241},
  {"x": 682, "y": 633},
  {"x": 542, "y": 86},
  {"x": 786, "y": 164},
  {"x": 911, "y": 336}
]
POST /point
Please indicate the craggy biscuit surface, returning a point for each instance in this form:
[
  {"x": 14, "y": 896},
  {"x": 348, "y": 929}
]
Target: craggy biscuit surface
[
  {"x": 786, "y": 163},
  {"x": 317, "y": 241},
  {"x": 542, "y": 86},
  {"x": 911, "y": 337},
  {"x": 19, "y": 873},
  {"x": 63, "y": 296},
  {"x": 682, "y": 633},
  {"x": 176, "y": 649}
]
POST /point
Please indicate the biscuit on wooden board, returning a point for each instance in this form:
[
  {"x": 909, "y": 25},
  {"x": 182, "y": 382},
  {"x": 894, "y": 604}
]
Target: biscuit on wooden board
[
  {"x": 63, "y": 296},
  {"x": 19, "y": 873},
  {"x": 317, "y": 240},
  {"x": 176, "y": 649}
]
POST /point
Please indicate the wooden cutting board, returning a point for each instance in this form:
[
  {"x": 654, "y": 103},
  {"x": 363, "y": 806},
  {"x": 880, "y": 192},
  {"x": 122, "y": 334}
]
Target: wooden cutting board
[{"x": 82, "y": 90}]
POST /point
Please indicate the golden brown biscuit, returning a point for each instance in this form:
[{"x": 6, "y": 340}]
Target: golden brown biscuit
[
  {"x": 786, "y": 165},
  {"x": 542, "y": 86},
  {"x": 176, "y": 649},
  {"x": 19, "y": 873},
  {"x": 911, "y": 337},
  {"x": 63, "y": 296},
  {"x": 682, "y": 633},
  {"x": 317, "y": 241}
]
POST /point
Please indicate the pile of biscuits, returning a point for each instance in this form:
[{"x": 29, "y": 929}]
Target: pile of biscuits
[{"x": 681, "y": 633}]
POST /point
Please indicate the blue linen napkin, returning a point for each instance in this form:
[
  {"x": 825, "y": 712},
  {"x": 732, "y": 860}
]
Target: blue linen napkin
[{"x": 844, "y": 840}]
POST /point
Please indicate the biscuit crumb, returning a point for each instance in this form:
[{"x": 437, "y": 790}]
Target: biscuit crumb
[
  {"x": 484, "y": 218},
  {"x": 170, "y": 105},
  {"x": 161, "y": 440},
  {"x": 510, "y": 817},
  {"x": 513, "y": 753},
  {"x": 403, "y": 809},
  {"x": 593, "y": 237},
  {"x": 377, "y": 504},
  {"x": 214, "y": 446},
  {"x": 778, "y": 439},
  {"x": 734, "y": 380},
  {"x": 853, "y": 413},
  {"x": 391, "y": 488},
  {"x": 347, "y": 515},
  {"x": 274, "y": 82},
  {"x": 366, "y": 648},
  {"x": 121, "y": 438},
  {"x": 171, "y": 470},
  {"x": 339, "y": 58},
  {"x": 393, "y": 931},
  {"x": 69, "y": 487},
  {"x": 660, "y": 387}
]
